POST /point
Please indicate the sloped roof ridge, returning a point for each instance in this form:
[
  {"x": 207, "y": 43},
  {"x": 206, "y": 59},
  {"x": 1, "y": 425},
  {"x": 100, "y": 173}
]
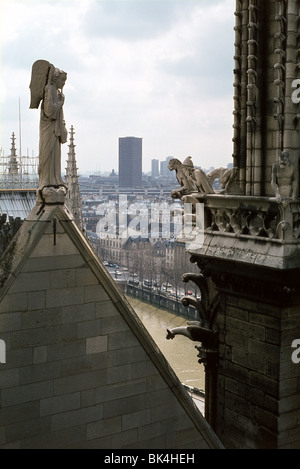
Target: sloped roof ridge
[{"x": 31, "y": 231}]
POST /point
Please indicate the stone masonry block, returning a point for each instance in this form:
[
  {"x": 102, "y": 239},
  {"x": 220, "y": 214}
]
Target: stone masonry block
[
  {"x": 154, "y": 398},
  {"x": 249, "y": 360},
  {"x": 264, "y": 383},
  {"x": 65, "y": 333},
  {"x": 167, "y": 411},
  {"x": 290, "y": 403},
  {"x": 36, "y": 300},
  {"x": 119, "y": 373},
  {"x": 87, "y": 398},
  {"x": 126, "y": 338},
  {"x": 9, "y": 378},
  {"x": 105, "y": 309},
  {"x": 46, "y": 247},
  {"x": 46, "y": 263},
  {"x": 20, "y": 412},
  {"x": 154, "y": 382},
  {"x": 136, "y": 419},
  {"x": 94, "y": 293},
  {"x": 39, "y": 372},
  {"x": 66, "y": 350},
  {"x": 85, "y": 276},
  {"x": 27, "y": 429},
  {"x": 89, "y": 328},
  {"x": 41, "y": 318},
  {"x": 14, "y": 302},
  {"x": 96, "y": 344},
  {"x": 26, "y": 393},
  {"x": 129, "y": 355},
  {"x": 123, "y": 406},
  {"x": 65, "y": 439},
  {"x": 18, "y": 358},
  {"x": 143, "y": 369},
  {"x": 87, "y": 363},
  {"x": 268, "y": 351},
  {"x": 119, "y": 390},
  {"x": 113, "y": 324},
  {"x": 2, "y": 436},
  {"x": 40, "y": 354},
  {"x": 104, "y": 427},
  {"x": 32, "y": 337},
  {"x": 78, "y": 313},
  {"x": 64, "y": 297},
  {"x": 31, "y": 281},
  {"x": 253, "y": 395},
  {"x": 123, "y": 439},
  {"x": 76, "y": 417},
  {"x": 10, "y": 322},
  {"x": 146, "y": 432},
  {"x": 64, "y": 278},
  {"x": 79, "y": 382}
]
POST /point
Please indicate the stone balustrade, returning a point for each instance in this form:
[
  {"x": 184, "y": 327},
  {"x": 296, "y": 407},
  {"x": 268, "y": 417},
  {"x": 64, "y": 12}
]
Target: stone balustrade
[{"x": 252, "y": 217}]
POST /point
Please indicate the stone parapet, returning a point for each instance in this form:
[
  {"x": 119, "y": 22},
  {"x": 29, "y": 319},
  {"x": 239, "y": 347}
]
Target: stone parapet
[{"x": 256, "y": 230}]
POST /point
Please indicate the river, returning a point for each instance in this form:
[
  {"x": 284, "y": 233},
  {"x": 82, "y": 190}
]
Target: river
[{"x": 179, "y": 352}]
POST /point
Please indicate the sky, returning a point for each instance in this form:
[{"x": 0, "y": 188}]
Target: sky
[{"x": 160, "y": 70}]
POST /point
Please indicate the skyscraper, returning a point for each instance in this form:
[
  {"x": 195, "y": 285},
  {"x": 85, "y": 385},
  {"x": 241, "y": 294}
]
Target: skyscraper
[
  {"x": 154, "y": 168},
  {"x": 130, "y": 161}
]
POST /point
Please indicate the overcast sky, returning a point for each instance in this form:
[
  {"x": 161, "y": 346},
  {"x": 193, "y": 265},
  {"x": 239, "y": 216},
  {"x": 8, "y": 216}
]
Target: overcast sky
[{"x": 157, "y": 69}]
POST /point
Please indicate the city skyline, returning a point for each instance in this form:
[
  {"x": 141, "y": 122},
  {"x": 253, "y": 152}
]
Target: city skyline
[{"x": 134, "y": 68}]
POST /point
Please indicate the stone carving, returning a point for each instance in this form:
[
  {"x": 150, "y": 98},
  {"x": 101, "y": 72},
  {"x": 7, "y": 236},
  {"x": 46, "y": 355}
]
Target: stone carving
[
  {"x": 280, "y": 68},
  {"x": 237, "y": 81},
  {"x": 227, "y": 178},
  {"x": 46, "y": 86},
  {"x": 195, "y": 182},
  {"x": 284, "y": 179},
  {"x": 190, "y": 178},
  {"x": 203, "y": 331}
]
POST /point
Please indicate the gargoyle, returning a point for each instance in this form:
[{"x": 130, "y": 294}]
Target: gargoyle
[
  {"x": 191, "y": 179},
  {"x": 200, "y": 331},
  {"x": 197, "y": 333}
]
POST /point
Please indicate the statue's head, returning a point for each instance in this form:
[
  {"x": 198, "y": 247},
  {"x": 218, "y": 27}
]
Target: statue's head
[
  {"x": 284, "y": 157},
  {"x": 173, "y": 164},
  {"x": 59, "y": 78}
]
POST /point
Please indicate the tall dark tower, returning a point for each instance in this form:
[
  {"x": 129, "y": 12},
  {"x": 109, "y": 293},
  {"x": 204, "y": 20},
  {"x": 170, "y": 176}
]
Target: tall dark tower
[
  {"x": 130, "y": 161},
  {"x": 249, "y": 260}
]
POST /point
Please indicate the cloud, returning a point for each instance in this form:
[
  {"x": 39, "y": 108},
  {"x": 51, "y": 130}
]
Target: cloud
[
  {"x": 132, "y": 20},
  {"x": 157, "y": 69}
]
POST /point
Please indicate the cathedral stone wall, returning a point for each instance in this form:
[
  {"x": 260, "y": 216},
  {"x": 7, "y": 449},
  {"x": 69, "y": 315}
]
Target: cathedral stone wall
[
  {"x": 258, "y": 383},
  {"x": 81, "y": 371}
]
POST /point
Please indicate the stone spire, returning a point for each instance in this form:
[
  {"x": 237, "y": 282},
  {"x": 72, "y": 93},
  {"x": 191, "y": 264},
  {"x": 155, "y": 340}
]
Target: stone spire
[
  {"x": 13, "y": 163},
  {"x": 73, "y": 199}
]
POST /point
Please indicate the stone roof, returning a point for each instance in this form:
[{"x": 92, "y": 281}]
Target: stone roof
[{"x": 81, "y": 368}]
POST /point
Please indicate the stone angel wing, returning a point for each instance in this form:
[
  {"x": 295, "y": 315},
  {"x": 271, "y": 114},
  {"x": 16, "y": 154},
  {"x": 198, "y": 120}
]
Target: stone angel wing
[{"x": 39, "y": 77}]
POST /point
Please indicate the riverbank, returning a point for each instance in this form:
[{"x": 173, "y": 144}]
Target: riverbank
[{"x": 180, "y": 352}]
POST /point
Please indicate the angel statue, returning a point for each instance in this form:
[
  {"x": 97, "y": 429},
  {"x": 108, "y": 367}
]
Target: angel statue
[{"x": 46, "y": 85}]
